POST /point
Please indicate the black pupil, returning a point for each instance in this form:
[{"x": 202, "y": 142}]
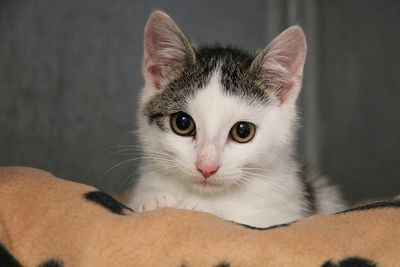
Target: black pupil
[
  {"x": 183, "y": 121},
  {"x": 243, "y": 129}
]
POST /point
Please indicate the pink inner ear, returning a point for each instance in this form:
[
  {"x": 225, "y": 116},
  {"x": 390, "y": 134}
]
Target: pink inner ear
[
  {"x": 294, "y": 66},
  {"x": 156, "y": 74},
  {"x": 284, "y": 91}
]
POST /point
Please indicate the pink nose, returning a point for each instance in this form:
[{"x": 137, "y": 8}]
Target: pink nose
[{"x": 207, "y": 169}]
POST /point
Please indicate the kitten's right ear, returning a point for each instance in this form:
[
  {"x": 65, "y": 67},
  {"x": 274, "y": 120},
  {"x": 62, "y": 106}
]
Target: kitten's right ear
[{"x": 166, "y": 51}]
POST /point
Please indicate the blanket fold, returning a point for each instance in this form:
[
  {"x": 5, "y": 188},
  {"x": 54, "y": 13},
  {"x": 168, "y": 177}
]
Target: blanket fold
[{"x": 47, "y": 221}]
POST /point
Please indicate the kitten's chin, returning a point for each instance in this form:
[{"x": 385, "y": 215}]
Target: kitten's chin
[
  {"x": 209, "y": 186},
  {"x": 207, "y": 183}
]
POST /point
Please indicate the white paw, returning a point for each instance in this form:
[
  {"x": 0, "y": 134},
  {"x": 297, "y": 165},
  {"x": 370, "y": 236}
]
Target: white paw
[
  {"x": 161, "y": 200},
  {"x": 184, "y": 205},
  {"x": 193, "y": 204}
]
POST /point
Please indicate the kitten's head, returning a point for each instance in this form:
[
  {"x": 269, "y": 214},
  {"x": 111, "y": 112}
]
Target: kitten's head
[{"x": 211, "y": 116}]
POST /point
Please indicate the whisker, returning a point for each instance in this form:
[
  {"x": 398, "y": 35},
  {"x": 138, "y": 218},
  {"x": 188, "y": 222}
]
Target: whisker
[
  {"x": 127, "y": 181},
  {"x": 255, "y": 174},
  {"x": 133, "y": 148},
  {"x": 263, "y": 173},
  {"x": 137, "y": 148},
  {"x": 263, "y": 169},
  {"x": 180, "y": 165},
  {"x": 115, "y": 146},
  {"x": 253, "y": 168},
  {"x": 162, "y": 173},
  {"x": 133, "y": 159},
  {"x": 275, "y": 188},
  {"x": 133, "y": 152}
]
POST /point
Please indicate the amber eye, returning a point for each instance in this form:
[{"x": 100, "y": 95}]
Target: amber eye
[
  {"x": 182, "y": 124},
  {"x": 243, "y": 131}
]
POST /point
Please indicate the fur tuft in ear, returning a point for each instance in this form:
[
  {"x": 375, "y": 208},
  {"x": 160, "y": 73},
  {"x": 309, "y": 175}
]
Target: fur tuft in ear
[
  {"x": 280, "y": 65},
  {"x": 166, "y": 50}
]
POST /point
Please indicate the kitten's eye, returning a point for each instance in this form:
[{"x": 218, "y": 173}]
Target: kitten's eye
[
  {"x": 182, "y": 124},
  {"x": 243, "y": 131}
]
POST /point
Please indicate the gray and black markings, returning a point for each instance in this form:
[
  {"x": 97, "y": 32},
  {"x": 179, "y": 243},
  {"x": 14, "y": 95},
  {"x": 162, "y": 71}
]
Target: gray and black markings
[{"x": 236, "y": 79}]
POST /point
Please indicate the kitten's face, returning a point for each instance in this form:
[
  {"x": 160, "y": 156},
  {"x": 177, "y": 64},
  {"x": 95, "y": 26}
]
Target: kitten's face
[
  {"x": 212, "y": 116},
  {"x": 217, "y": 144}
]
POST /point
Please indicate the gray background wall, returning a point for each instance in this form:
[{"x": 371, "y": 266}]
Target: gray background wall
[{"x": 70, "y": 75}]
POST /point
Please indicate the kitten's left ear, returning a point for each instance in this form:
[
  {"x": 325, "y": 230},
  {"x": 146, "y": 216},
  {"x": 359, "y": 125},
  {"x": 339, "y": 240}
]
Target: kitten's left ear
[
  {"x": 279, "y": 66},
  {"x": 166, "y": 50}
]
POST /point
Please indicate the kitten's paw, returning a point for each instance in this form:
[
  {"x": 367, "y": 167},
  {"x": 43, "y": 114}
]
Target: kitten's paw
[
  {"x": 188, "y": 205},
  {"x": 194, "y": 204},
  {"x": 161, "y": 200}
]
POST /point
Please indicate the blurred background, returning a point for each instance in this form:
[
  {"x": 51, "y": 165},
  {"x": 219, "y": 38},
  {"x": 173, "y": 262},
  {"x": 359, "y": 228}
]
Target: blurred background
[{"x": 70, "y": 77}]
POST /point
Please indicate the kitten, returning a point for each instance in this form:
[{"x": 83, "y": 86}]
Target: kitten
[{"x": 217, "y": 126}]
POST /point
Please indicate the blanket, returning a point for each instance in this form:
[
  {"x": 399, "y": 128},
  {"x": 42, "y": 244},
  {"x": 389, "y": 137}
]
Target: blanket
[{"x": 49, "y": 222}]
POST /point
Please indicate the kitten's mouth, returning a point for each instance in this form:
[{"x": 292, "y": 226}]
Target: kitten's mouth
[{"x": 207, "y": 182}]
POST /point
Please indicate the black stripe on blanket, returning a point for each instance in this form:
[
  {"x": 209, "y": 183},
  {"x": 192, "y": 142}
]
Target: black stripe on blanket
[
  {"x": 375, "y": 205},
  {"x": 350, "y": 262},
  {"x": 264, "y": 228},
  {"x": 7, "y": 259},
  {"x": 107, "y": 202},
  {"x": 52, "y": 263}
]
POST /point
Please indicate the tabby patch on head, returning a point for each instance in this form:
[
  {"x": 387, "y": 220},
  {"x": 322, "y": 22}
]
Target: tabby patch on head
[
  {"x": 175, "y": 71},
  {"x": 218, "y": 119}
]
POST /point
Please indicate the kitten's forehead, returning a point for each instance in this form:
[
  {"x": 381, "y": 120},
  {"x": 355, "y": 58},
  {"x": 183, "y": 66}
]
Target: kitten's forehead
[
  {"x": 235, "y": 79},
  {"x": 213, "y": 110}
]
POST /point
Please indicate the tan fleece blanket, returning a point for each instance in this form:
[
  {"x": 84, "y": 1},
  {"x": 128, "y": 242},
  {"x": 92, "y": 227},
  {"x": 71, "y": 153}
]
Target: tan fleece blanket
[{"x": 49, "y": 222}]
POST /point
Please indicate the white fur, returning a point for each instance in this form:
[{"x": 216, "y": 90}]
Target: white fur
[{"x": 268, "y": 192}]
